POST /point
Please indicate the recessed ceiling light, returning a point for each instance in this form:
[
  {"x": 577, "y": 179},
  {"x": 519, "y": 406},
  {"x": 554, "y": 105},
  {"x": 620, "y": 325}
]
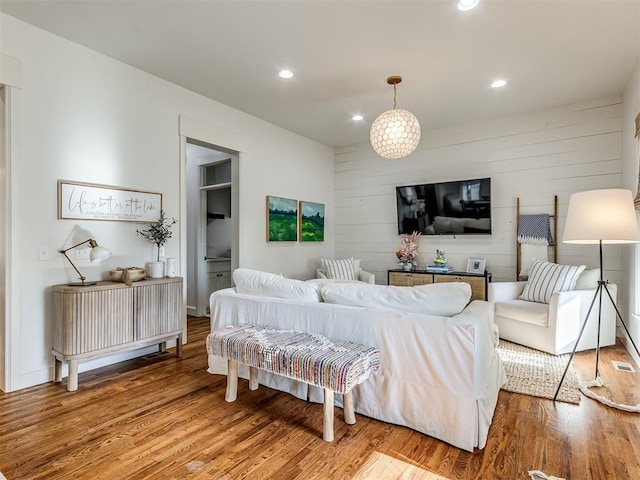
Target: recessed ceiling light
[
  {"x": 498, "y": 83},
  {"x": 357, "y": 117},
  {"x": 467, "y": 4},
  {"x": 285, "y": 73}
]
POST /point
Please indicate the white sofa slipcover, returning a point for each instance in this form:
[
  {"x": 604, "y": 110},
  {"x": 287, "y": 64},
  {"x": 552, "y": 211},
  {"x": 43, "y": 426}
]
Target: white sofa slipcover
[
  {"x": 552, "y": 327},
  {"x": 438, "y": 375}
]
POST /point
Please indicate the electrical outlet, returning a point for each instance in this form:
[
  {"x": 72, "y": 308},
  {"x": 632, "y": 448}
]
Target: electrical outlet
[
  {"x": 43, "y": 254},
  {"x": 82, "y": 254},
  {"x": 162, "y": 251}
]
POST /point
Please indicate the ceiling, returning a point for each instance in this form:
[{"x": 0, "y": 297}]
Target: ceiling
[{"x": 552, "y": 52}]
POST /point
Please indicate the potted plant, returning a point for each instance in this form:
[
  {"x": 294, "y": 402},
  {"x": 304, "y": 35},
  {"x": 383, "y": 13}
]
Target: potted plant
[{"x": 158, "y": 233}]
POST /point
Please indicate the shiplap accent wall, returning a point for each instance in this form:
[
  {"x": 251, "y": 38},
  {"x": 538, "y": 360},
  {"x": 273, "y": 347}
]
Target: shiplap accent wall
[{"x": 534, "y": 156}]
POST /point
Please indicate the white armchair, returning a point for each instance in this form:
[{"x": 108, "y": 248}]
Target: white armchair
[
  {"x": 552, "y": 327},
  {"x": 363, "y": 276},
  {"x": 347, "y": 268}
]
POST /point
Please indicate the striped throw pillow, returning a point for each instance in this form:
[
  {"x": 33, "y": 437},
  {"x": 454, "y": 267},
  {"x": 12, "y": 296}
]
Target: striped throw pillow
[
  {"x": 339, "y": 269},
  {"x": 546, "y": 278}
]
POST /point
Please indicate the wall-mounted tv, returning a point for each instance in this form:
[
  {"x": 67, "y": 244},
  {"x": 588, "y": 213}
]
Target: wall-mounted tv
[{"x": 447, "y": 208}]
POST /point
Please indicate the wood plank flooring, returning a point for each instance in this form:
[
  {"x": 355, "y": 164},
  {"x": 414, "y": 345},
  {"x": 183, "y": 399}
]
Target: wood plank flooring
[{"x": 166, "y": 418}]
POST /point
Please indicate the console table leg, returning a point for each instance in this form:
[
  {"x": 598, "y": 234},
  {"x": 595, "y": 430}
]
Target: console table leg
[
  {"x": 232, "y": 381},
  {"x": 253, "y": 378},
  {"x": 327, "y": 431},
  {"x": 72, "y": 378},
  {"x": 349, "y": 413},
  {"x": 179, "y": 346},
  {"x": 57, "y": 370}
]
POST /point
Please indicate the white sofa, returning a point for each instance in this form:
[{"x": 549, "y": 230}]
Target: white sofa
[
  {"x": 554, "y": 327},
  {"x": 439, "y": 375}
]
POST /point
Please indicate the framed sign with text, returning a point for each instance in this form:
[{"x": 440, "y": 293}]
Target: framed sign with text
[{"x": 90, "y": 201}]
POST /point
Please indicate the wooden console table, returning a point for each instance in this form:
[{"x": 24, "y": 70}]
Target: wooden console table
[
  {"x": 412, "y": 278},
  {"x": 110, "y": 317}
]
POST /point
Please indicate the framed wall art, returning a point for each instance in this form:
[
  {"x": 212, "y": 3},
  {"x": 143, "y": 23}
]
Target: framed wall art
[
  {"x": 476, "y": 265},
  {"x": 282, "y": 219},
  {"x": 90, "y": 201},
  {"x": 311, "y": 222}
]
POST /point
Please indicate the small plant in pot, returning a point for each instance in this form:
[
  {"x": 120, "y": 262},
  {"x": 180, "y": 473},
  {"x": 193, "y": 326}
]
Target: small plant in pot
[{"x": 158, "y": 233}]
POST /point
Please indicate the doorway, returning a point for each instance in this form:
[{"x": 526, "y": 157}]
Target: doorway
[{"x": 212, "y": 222}]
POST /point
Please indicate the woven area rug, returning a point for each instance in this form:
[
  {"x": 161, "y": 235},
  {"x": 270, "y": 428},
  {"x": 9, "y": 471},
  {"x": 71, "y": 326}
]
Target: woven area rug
[{"x": 536, "y": 373}]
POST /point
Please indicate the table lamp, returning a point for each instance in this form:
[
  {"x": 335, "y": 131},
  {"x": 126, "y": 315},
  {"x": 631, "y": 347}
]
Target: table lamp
[{"x": 97, "y": 254}]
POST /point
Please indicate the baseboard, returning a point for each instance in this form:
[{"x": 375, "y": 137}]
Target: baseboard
[{"x": 633, "y": 327}]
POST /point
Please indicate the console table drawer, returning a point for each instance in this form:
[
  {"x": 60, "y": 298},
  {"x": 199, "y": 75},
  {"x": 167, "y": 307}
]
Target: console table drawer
[
  {"x": 478, "y": 283},
  {"x": 409, "y": 279}
]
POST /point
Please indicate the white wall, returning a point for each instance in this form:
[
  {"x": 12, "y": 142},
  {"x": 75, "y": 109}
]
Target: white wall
[
  {"x": 86, "y": 117},
  {"x": 631, "y": 154},
  {"x": 534, "y": 157}
]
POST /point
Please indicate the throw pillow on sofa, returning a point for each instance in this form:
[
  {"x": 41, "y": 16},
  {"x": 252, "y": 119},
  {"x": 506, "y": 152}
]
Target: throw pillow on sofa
[
  {"x": 255, "y": 282},
  {"x": 441, "y": 299},
  {"x": 344, "y": 269},
  {"x": 546, "y": 278}
]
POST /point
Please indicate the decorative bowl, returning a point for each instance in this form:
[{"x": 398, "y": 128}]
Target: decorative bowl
[{"x": 134, "y": 273}]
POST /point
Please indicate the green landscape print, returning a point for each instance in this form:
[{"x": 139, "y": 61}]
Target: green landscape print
[
  {"x": 311, "y": 222},
  {"x": 282, "y": 219}
]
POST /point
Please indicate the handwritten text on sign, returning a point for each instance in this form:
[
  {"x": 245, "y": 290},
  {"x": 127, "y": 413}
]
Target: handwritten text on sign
[{"x": 103, "y": 202}]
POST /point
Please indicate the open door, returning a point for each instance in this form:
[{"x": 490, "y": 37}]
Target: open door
[{"x": 212, "y": 236}]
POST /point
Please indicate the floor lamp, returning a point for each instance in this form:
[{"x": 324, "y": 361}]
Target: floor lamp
[{"x": 600, "y": 217}]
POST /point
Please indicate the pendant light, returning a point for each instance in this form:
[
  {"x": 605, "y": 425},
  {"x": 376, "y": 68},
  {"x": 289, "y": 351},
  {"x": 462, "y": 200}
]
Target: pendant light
[{"x": 396, "y": 132}]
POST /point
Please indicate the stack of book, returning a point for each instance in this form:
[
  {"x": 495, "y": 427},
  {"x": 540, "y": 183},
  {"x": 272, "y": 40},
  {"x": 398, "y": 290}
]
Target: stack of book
[{"x": 439, "y": 269}]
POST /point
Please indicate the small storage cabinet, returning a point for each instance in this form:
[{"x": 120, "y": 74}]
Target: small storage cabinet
[
  {"x": 477, "y": 281},
  {"x": 110, "y": 317}
]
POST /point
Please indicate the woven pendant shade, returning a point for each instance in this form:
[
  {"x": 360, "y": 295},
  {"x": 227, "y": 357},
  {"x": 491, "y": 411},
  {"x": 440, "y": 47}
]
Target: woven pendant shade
[{"x": 396, "y": 132}]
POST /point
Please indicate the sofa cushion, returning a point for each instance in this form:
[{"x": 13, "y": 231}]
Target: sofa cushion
[
  {"x": 524, "y": 311},
  {"x": 546, "y": 278},
  {"x": 343, "y": 269},
  {"x": 254, "y": 282},
  {"x": 441, "y": 299}
]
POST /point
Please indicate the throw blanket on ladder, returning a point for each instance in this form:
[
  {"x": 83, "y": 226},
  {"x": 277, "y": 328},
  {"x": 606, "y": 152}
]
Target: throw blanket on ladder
[
  {"x": 535, "y": 230},
  {"x": 534, "y": 235}
]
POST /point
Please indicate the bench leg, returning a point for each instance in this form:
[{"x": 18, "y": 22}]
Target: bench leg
[
  {"x": 232, "y": 381},
  {"x": 327, "y": 431},
  {"x": 349, "y": 413},
  {"x": 253, "y": 378}
]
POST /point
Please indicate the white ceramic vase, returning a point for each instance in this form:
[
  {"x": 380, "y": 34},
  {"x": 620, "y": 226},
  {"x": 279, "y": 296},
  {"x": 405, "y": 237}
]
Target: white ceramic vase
[{"x": 155, "y": 269}]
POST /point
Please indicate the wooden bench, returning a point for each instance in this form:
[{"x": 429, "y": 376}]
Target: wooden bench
[{"x": 311, "y": 358}]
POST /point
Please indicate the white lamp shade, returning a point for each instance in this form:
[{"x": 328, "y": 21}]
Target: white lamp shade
[
  {"x": 99, "y": 253},
  {"x": 604, "y": 215},
  {"x": 395, "y": 133}
]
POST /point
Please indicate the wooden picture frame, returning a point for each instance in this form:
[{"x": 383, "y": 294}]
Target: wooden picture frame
[
  {"x": 92, "y": 201},
  {"x": 282, "y": 219},
  {"x": 476, "y": 265},
  {"x": 311, "y": 222}
]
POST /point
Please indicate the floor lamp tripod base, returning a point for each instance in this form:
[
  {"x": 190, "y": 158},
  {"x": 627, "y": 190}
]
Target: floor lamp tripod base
[{"x": 597, "y": 381}]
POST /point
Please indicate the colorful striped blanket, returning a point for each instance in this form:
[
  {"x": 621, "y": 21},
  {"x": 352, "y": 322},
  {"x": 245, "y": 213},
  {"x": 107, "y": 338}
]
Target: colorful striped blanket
[{"x": 311, "y": 358}]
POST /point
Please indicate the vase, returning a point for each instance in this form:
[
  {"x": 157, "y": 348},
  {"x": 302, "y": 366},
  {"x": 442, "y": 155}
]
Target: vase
[
  {"x": 155, "y": 269},
  {"x": 407, "y": 267}
]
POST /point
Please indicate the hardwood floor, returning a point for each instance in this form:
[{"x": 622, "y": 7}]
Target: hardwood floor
[{"x": 166, "y": 418}]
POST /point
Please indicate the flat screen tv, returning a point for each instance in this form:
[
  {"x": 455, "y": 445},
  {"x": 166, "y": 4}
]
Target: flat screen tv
[{"x": 461, "y": 207}]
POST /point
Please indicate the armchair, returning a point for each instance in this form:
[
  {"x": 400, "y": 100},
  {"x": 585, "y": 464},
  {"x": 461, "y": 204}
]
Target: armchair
[
  {"x": 352, "y": 267},
  {"x": 552, "y": 327}
]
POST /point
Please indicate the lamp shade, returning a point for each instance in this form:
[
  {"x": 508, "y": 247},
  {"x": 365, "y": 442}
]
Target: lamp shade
[
  {"x": 395, "y": 133},
  {"x": 99, "y": 254},
  {"x": 606, "y": 216}
]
